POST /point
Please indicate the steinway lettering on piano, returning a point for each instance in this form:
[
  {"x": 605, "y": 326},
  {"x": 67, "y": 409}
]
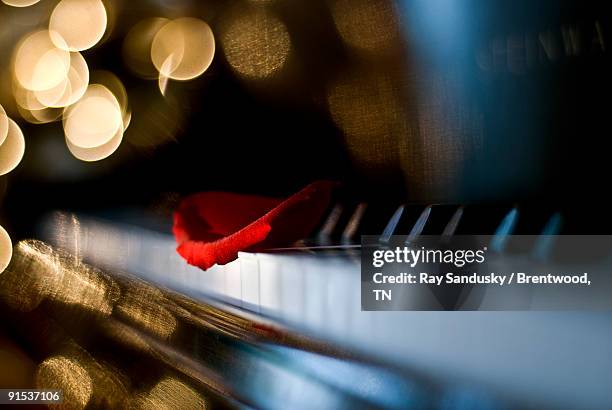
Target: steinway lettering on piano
[{"x": 516, "y": 53}]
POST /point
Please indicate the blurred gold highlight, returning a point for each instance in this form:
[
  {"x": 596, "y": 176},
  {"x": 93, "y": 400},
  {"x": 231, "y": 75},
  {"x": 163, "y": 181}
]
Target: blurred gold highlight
[
  {"x": 144, "y": 306},
  {"x": 367, "y": 106},
  {"x": 12, "y": 149},
  {"x": 38, "y": 272},
  {"x": 6, "y": 249},
  {"x": 171, "y": 394},
  {"x": 65, "y": 374},
  {"x": 77, "y": 25},
  {"x": 94, "y": 126},
  {"x": 20, "y": 3},
  {"x": 183, "y": 49},
  {"x": 71, "y": 89},
  {"x": 115, "y": 86},
  {"x": 255, "y": 42},
  {"x": 39, "y": 64},
  {"x": 137, "y": 47},
  {"x": 4, "y": 125},
  {"x": 367, "y": 25}
]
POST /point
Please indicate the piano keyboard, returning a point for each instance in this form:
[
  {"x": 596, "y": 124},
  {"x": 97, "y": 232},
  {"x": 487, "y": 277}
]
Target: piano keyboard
[{"x": 314, "y": 289}]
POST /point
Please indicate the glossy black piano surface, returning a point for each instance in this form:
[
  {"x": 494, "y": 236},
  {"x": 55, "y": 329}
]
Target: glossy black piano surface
[{"x": 454, "y": 117}]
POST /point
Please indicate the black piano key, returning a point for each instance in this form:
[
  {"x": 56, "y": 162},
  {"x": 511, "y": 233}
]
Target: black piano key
[
  {"x": 330, "y": 223},
  {"x": 392, "y": 224},
  {"x": 453, "y": 223},
  {"x": 439, "y": 219},
  {"x": 410, "y": 218},
  {"x": 354, "y": 225},
  {"x": 374, "y": 219},
  {"x": 482, "y": 219}
]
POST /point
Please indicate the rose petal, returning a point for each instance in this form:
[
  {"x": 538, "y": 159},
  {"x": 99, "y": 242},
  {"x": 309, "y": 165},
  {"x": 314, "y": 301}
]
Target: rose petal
[{"x": 211, "y": 228}]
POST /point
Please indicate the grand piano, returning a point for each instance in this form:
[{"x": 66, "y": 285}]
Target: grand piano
[{"x": 444, "y": 117}]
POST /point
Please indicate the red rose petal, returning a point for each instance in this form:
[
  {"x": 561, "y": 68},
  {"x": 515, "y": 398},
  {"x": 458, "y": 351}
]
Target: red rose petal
[{"x": 212, "y": 227}]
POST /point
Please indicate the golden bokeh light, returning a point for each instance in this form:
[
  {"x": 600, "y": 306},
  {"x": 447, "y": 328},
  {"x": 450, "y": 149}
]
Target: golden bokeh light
[
  {"x": 26, "y": 99},
  {"x": 78, "y": 25},
  {"x": 365, "y": 104},
  {"x": 115, "y": 86},
  {"x": 144, "y": 306},
  {"x": 95, "y": 119},
  {"x": 38, "y": 64},
  {"x": 4, "y": 124},
  {"x": 62, "y": 373},
  {"x": 32, "y": 271},
  {"x": 183, "y": 49},
  {"x": 370, "y": 25},
  {"x": 42, "y": 116},
  {"x": 52, "y": 96},
  {"x": 256, "y": 43},
  {"x": 368, "y": 107},
  {"x": 20, "y": 3},
  {"x": 12, "y": 149},
  {"x": 162, "y": 82},
  {"x": 171, "y": 394},
  {"x": 38, "y": 272},
  {"x": 96, "y": 153},
  {"x": 71, "y": 89},
  {"x": 6, "y": 249},
  {"x": 84, "y": 287},
  {"x": 137, "y": 47}
]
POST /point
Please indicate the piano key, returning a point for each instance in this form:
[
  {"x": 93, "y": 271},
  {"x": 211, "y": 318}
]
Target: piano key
[
  {"x": 453, "y": 223},
  {"x": 419, "y": 225},
  {"x": 376, "y": 218},
  {"x": 315, "y": 296},
  {"x": 505, "y": 228},
  {"x": 439, "y": 219},
  {"x": 352, "y": 227},
  {"x": 233, "y": 282},
  {"x": 249, "y": 280},
  {"x": 545, "y": 242},
  {"x": 293, "y": 290},
  {"x": 481, "y": 219},
  {"x": 410, "y": 215},
  {"x": 330, "y": 224},
  {"x": 391, "y": 226},
  {"x": 270, "y": 285}
]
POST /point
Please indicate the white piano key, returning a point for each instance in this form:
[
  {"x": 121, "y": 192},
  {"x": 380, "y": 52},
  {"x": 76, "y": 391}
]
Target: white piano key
[
  {"x": 249, "y": 277},
  {"x": 338, "y": 296},
  {"x": 293, "y": 292},
  {"x": 315, "y": 287},
  {"x": 269, "y": 285},
  {"x": 216, "y": 280},
  {"x": 233, "y": 282}
]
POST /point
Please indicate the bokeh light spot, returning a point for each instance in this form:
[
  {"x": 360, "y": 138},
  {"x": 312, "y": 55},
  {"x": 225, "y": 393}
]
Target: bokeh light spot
[
  {"x": 62, "y": 373},
  {"x": 20, "y": 3},
  {"x": 12, "y": 149},
  {"x": 370, "y": 25},
  {"x": 137, "y": 47},
  {"x": 78, "y": 25},
  {"x": 6, "y": 249},
  {"x": 39, "y": 65},
  {"x": 95, "y": 119},
  {"x": 191, "y": 44},
  {"x": 4, "y": 124},
  {"x": 256, "y": 44}
]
